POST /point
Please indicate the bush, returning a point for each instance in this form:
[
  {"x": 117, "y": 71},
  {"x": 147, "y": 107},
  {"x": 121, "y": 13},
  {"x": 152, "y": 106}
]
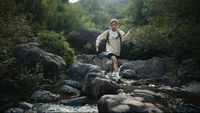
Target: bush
[
  {"x": 55, "y": 43},
  {"x": 20, "y": 83},
  {"x": 149, "y": 41},
  {"x": 29, "y": 80},
  {"x": 152, "y": 40}
]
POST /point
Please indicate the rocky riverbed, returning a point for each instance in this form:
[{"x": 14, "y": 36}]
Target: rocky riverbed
[{"x": 150, "y": 86}]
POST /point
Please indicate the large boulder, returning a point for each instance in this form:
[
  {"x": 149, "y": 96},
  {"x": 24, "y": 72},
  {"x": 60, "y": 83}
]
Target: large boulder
[
  {"x": 69, "y": 91},
  {"x": 102, "y": 86},
  {"x": 85, "y": 74},
  {"x": 28, "y": 55},
  {"x": 154, "y": 69},
  {"x": 192, "y": 88},
  {"x": 80, "y": 71},
  {"x": 83, "y": 40},
  {"x": 44, "y": 96},
  {"x": 91, "y": 80},
  {"x": 125, "y": 104}
]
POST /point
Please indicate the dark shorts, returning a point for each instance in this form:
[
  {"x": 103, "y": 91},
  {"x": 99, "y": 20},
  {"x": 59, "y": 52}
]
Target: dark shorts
[{"x": 111, "y": 54}]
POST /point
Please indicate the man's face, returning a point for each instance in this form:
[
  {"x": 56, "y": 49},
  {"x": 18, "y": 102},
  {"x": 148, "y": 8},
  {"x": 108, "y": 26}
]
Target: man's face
[{"x": 114, "y": 26}]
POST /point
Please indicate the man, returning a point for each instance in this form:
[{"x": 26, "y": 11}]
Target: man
[{"x": 114, "y": 37}]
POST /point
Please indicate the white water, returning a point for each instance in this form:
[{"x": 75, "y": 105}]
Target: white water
[{"x": 51, "y": 108}]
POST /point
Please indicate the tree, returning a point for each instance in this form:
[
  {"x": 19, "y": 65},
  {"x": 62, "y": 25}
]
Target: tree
[
  {"x": 171, "y": 29},
  {"x": 102, "y": 11},
  {"x": 138, "y": 12}
]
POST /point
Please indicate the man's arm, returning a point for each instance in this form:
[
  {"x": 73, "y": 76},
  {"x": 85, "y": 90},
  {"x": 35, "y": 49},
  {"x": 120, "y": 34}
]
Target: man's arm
[
  {"x": 99, "y": 38},
  {"x": 128, "y": 35}
]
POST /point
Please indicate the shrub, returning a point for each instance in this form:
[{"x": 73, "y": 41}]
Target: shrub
[
  {"x": 20, "y": 83},
  {"x": 55, "y": 43},
  {"x": 29, "y": 80}
]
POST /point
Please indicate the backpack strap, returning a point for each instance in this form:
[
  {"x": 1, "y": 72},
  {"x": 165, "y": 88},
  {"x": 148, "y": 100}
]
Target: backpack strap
[
  {"x": 107, "y": 36},
  {"x": 120, "y": 37}
]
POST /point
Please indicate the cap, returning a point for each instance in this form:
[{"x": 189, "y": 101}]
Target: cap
[{"x": 114, "y": 20}]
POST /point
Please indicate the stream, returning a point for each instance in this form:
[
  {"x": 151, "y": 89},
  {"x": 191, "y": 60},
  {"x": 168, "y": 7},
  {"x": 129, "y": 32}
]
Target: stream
[{"x": 172, "y": 100}]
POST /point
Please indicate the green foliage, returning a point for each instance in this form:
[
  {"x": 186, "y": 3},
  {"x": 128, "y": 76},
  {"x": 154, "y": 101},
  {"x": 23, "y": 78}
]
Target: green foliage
[
  {"x": 7, "y": 75},
  {"x": 102, "y": 11},
  {"x": 27, "y": 81},
  {"x": 55, "y": 43},
  {"x": 54, "y": 85},
  {"x": 172, "y": 29},
  {"x": 54, "y": 15},
  {"x": 19, "y": 82},
  {"x": 14, "y": 29},
  {"x": 7, "y": 69},
  {"x": 137, "y": 12},
  {"x": 152, "y": 40}
]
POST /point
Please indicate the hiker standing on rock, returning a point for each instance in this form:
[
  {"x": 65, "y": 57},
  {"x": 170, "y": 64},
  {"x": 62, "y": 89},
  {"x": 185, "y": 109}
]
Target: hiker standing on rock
[{"x": 114, "y": 38}]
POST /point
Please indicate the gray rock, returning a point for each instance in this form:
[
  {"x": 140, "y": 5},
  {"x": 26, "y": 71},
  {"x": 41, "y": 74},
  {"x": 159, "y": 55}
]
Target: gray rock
[
  {"x": 68, "y": 90},
  {"x": 83, "y": 58},
  {"x": 147, "y": 92},
  {"x": 115, "y": 104},
  {"x": 151, "y": 108},
  {"x": 192, "y": 88},
  {"x": 144, "y": 97},
  {"x": 104, "y": 86},
  {"x": 25, "y": 105},
  {"x": 44, "y": 96},
  {"x": 84, "y": 41},
  {"x": 87, "y": 87},
  {"x": 75, "y": 102},
  {"x": 103, "y": 63},
  {"x": 28, "y": 55},
  {"x": 153, "y": 68},
  {"x": 121, "y": 109},
  {"x": 85, "y": 74},
  {"x": 15, "y": 110},
  {"x": 73, "y": 83},
  {"x": 79, "y": 71},
  {"x": 124, "y": 104}
]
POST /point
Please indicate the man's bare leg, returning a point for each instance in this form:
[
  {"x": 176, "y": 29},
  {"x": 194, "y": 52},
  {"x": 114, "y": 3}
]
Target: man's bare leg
[{"x": 114, "y": 64}]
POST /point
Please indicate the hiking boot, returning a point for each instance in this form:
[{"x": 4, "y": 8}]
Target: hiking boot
[
  {"x": 107, "y": 76},
  {"x": 115, "y": 76}
]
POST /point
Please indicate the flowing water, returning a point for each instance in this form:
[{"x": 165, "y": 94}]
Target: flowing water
[
  {"x": 51, "y": 108},
  {"x": 174, "y": 99}
]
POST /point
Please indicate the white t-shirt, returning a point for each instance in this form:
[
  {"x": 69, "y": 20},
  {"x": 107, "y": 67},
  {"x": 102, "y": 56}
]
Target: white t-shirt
[{"x": 114, "y": 45}]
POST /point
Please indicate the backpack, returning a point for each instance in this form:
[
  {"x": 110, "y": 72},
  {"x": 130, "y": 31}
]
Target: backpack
[{"x": 119, "y": 36}]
